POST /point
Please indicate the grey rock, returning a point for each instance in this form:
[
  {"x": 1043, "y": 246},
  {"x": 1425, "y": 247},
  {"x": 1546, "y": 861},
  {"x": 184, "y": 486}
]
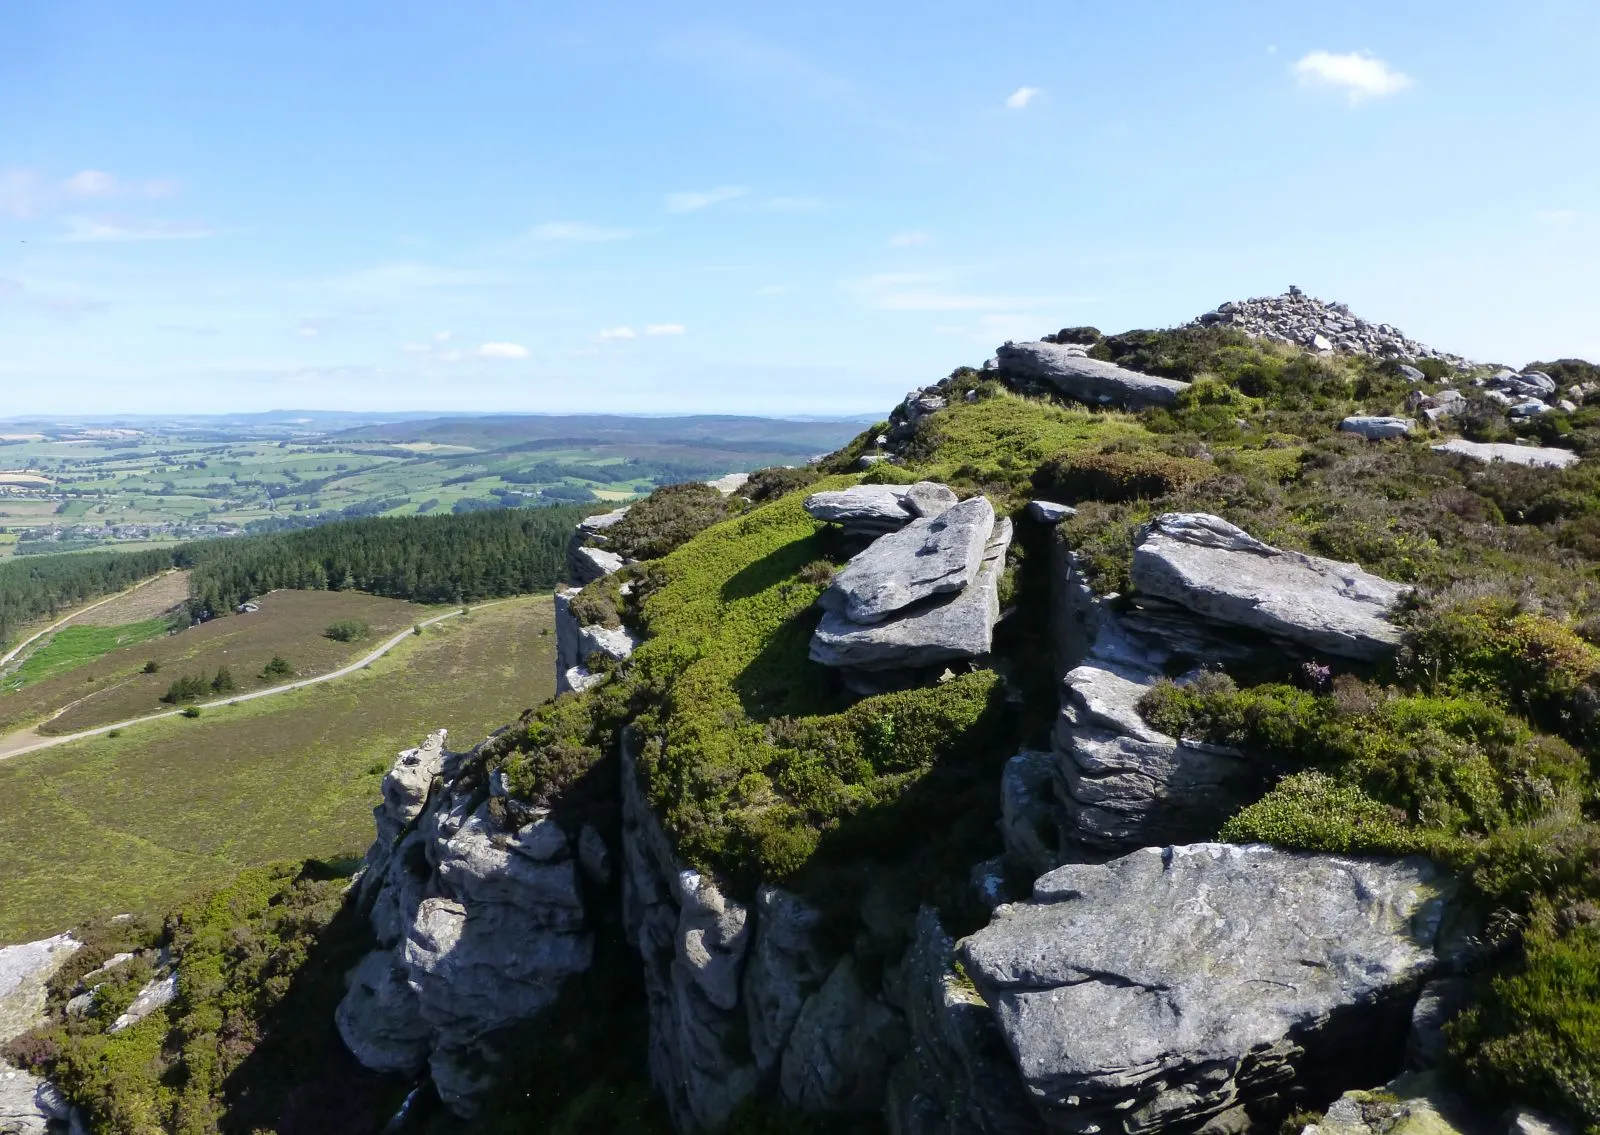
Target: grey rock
[
  {"x": 31, "y": 1106},
  {"x": 156, "y": 993},
  {"x": 1441, "y": 1000},
  {"x": 1538, "y": 380},
  {"x": 1449, "y": 397},
  {"x": 945, "y": 630},
  {"x": 928, "y": 557},
  {"x": 1377, "y": 428},
  {"x": 785, "y": 968},
  {"x": 713, "y": 934},
  {"x": 1087, "y": 380},
  {"x": 24, "y": 971},
  {"x": 1566, "y": 405},
  {"x": 1409, "y": 1105},
  {"x": 603, "y": 520},
  {"x": 729, "y": 483},
  {"x": 1028, "y": 824},
  {"x": 589, "y": 564},
  {"x": 865, "y": 508},
  {"x": 929, "y": 499},
  {"x": 1174, "y": 984},
  {"x": 406, "y": 785},
  {"x": 842, "y": 1047},
  {"x": 594, "y": 857},
  {"x": 1049, "y": 512},
  {"x": 1529, "y": 409},
  {"x": 1319, "y": 343},
  {"x": 577, "y": 679},
  {"x": 1220, "y": 572},
  {"x": 1411, "y": 373},
  {"x": 1526, "y": 1121},
  {"x": 380, "y": 1019},
  {"x": 1514, "y": 454},
  {"x": 614, "y": 642}
]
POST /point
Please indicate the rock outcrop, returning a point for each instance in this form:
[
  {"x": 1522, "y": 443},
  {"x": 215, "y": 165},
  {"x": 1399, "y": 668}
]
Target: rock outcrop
[
  {"x": 870, "y": 511},
  {"x": 1179, "y": 983},
  {"x": 29, "y": 1105},
  {"x": 1377, "y": 428},
  {"x": 940, "y": 630},
  {"x": 1220, "y": 572},
  {"x": 1086, "y": 380},
  {"x": 1530, "y": 455},
  {"x": 932, "y": 556},
  {"x": 480, "y": 917},
  {"x": 1308, "y": 322}
]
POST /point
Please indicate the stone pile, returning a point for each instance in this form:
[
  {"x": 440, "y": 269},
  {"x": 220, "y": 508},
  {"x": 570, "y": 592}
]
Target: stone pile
[
  {"x": 920, "y": 596},
  {"x": 1308, "y": 322}
]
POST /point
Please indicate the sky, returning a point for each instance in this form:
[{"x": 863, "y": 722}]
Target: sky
[{"x": 791, "y": 209}]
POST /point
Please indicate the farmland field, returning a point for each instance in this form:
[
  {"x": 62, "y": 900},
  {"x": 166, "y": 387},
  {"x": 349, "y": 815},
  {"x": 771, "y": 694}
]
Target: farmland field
[
  {"x": 135, "y": 821},
  {"x": 75, "y": 690}
]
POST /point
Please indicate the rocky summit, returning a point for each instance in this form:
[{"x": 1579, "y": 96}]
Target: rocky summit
[{"x": 1317, "y": 325}]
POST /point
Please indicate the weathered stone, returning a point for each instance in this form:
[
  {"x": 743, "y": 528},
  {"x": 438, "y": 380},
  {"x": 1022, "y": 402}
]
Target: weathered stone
[
  {"x": 1513, "y": 454},
  {"x": 614, "y": 642},
  {"x": 928, "y": 499},
  {"x": 24, "y": 971},
  {"x": 1049, "y": 512},
  {"x": 928, "y": 557},
  {"x": 1027, "y": 812},
  {"x": 785, "y": 967},
  {"x": 1176, "y": 983},
  {"x": 1411, "y": 373},
  {"x": 600, "y": 521},
  {"x": 842, "y": 1047},
  {"x": 1377, "y": 428},
  {"x": 406, "y": 784},
  {"x": 1409, "y": 1105},
  {"x": 1526, "y": 1121},
  {"x": 1317, "y": 325},
  {"x": 729, "y": 483},
  {"x": 1441, "y": 1000},
  {"x": 1219, "y": 571},
  {"x": 380, "y": 1019},
  {"x": 713, "y": 934},
  {"x": 864, "y": 508},
  {"x": 156, "y": 992},
  {"x": 31, "y": 1106},
  {"x": 945, "y": 630},
  {"x": 1532, "y": 408},
  {"x": 1087, "y": 380},
  {"x": 589, "y": 564}
]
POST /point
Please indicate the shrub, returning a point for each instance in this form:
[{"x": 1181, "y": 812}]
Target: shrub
[
  {"x": 191, "y": 711},
  {"x": 347, "y": 630},
  {"x": 223, "y": 682},
  {"x": 779, "y": 480},
  {"x": 277, "y": 667},
  {"x": 187, "y": 688},
  {"x": 151, "y": 667},
  {"x": 1118, "y": 475},
  {"x": 666, "y": 519}
]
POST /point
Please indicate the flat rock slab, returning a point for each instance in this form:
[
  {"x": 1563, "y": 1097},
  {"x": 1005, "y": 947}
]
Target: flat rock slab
[
  {"x": 959, "y": 627},
  {"x": 1220, "y": 572},
  {"x": 877, "y": 509},
  {"x": 1533, "y": 456},
  {"x": 729, "y": 483},
  {"x": 1377, "y": 428},
  {"x": 930, "y": 556},
  {"x": 600, "y": 521},
  {"x": 1159, "y": 989},
  {"x": 589, "y": 564},
  {"x": 1087, "y": 380},
  {"x": 24, "y": 970},
  {"x": 1049, "y": 512}
]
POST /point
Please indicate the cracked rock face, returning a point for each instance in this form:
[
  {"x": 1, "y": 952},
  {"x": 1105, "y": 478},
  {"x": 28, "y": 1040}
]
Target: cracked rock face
[
  {"x": 930, "y": 556},
  {"x": 1174, "y": 984},
  {"x": 1220, "y": 572},
  {"x": 1084, "y": 379}
]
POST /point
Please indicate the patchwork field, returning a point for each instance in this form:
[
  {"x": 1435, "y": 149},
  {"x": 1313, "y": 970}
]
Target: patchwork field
[
  {"x": 81, "y": 676},
  {"x": 137, "y": 820}
]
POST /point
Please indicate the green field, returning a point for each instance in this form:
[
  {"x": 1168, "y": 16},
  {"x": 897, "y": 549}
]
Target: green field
[
  {"x": 136, "y": 821},
  {"x": 72, "y": 647}
]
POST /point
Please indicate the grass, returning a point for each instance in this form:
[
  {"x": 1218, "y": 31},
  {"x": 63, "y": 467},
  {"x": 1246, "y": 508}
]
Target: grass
[
  {"x": 72, "y": 647},
  {"x": 137, "y": 821},
  {"x": 115, "y": 687}
]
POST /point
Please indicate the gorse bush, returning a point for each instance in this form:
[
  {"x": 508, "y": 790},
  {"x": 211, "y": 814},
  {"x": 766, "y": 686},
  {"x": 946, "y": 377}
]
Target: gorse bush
[{"x": 347, "y": 630}]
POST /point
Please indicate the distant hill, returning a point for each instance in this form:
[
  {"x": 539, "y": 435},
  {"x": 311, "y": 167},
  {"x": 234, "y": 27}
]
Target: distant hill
[{"x": 702, "y": 431}]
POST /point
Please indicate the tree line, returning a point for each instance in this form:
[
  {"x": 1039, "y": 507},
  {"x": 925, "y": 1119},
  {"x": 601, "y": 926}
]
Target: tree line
[{"x": 40, "y": 587}]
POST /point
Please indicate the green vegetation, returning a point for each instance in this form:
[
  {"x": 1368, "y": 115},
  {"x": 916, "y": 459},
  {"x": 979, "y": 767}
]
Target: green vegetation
[
  {"x": 278, "y": 667},
  {"x": 137, "y": 822},
  {"x": 72, "y": 647},
  {"x": 249, "y": 1043},
  {"x": 347, "y": 630},
  {"x": 666, "y": 519},
  {"x": 40, "y": 588}
]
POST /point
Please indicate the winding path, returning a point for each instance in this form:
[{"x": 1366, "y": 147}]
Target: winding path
[
  {"x": 28, "y": 741},
  {"x": 59, "y": 623}
]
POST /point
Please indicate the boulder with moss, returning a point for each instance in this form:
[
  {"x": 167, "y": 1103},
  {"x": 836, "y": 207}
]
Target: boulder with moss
[{"x": 1086, "y": 380}]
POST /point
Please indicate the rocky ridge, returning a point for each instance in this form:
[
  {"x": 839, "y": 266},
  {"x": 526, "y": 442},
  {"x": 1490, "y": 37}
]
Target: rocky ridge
[{"x": 1316, "y": 325}]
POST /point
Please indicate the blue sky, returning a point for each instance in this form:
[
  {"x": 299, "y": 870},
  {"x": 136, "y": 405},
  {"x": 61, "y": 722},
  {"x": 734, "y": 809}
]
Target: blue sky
[{"x": 758, "y": 208}]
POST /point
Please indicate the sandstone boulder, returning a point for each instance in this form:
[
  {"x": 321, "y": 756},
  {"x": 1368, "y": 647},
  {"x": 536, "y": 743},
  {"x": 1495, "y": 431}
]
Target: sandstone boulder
[
  {"x": 589, "y": 564},
  {"x": 1377, "y": 428},
  {"x": 1178, "y": 983},
  {"x": 942, "y": 630},
  {"x": 1530, "y": 455},
  {"x": 930, "y": 556},
  {"x": 1220, "y": 572},
  {"x": 872, "y": 510},
  {"x": 1087, "y": 380}
]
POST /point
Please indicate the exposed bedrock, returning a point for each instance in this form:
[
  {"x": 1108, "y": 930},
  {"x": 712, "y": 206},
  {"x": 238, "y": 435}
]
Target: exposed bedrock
[
  {"x": 1084, "y": 379},
  {"x": 870, "y": 511},
  {"x": 936, "y": 555},
  {"x": 1175, "y": 984}
]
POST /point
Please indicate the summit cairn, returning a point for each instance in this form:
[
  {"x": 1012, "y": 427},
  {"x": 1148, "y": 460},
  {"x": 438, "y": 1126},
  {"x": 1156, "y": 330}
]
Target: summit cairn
[{"x": 1316, "y": 325}]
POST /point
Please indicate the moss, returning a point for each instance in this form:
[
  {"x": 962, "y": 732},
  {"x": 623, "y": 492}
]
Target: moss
[{"x": 1118, "y": 475}]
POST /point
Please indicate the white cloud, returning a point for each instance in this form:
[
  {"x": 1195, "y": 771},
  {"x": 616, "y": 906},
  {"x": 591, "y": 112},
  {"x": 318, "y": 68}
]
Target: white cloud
[
  {"x": 788, "y": 205},
  {"x": 91, "y": 183},
  {"x": 618, "y": 333},
  {"x": 1357, "y": 74},
  {"x": 16, "y": 294},
  {"x": 908, "y": 239},
  {"x": 417, "y": 348},
  {"x": 441, "y": 336},
  {"x": 577, "y": 232},
  {"x": 1555, "y": 216},
  {"x": 312, "y": 327},
  {"x": 87, "y": 230},
  {"x": 690, "y": 201},
  {"x": 502, "y": 351},
  {"x": 1021, "y": 97},
  {"x": 665, "y": 329}
]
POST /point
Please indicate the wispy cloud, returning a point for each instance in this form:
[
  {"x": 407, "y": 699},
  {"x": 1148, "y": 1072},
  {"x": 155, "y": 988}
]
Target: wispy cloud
[
  {"x": 908, "y": 239},
  {"x": 618, "y": 333},
  {"x": 16, "y": 294},
  {"x": 665, "y": 329},
  {"x": 86, "y": 230},
  {"x": 1021, "y": 97},
  {"x": 577, "y": 232},
  {"x": 502, "y": 351},
  {"x": 1555, "y": 216},
  {"x": 1358, "y": 75},
  {"x": 313, "y": 326},
  {"x": 740, "y": 56},
  {"x": 690, "y": 201}
]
